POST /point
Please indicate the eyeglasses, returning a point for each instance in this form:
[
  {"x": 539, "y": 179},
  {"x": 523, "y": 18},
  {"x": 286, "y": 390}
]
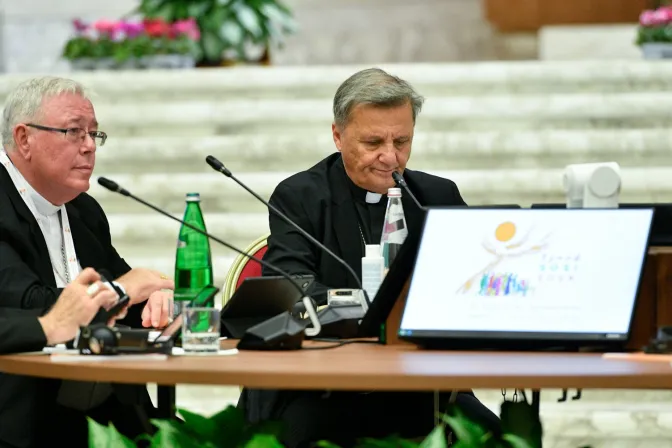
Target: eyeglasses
[{"x": 75, "y": 135}]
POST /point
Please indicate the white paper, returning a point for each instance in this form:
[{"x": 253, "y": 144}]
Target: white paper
[
  {"x": 179, "y": 351},
  {"x": 96, "y": 358},
  {"x": 75, "y": 356}
]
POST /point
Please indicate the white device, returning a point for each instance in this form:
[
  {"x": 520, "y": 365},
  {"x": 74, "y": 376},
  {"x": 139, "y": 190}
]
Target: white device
[
  {"x": 527, "y": 274},
  {"x": 373, "y": 268},
  {"x": 347, "y": 297},
  {"x": 592, "y": 185}
]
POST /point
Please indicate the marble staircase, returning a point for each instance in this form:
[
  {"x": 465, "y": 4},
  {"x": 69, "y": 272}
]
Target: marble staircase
[{"x": 502, "y": 131}]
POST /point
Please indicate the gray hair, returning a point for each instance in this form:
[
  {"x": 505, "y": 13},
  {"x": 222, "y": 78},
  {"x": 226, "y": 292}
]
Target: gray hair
[
  {"x": 25, "y": 101},
  {"x": 374, "y": 87}
]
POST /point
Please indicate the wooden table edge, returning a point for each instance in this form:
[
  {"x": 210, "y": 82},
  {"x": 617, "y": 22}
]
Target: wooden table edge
[{"x": 132, "y": 373}]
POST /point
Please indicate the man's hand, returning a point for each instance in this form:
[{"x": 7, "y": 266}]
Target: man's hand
[
  {"x": 159, "y": 310},
  {"x": 141, "y": 283},
  {"x": 76, "y": 307}
]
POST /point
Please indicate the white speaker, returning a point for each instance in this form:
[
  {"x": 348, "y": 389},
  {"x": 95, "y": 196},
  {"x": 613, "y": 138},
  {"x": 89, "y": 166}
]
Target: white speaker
[{"x": 592, "y": 185}]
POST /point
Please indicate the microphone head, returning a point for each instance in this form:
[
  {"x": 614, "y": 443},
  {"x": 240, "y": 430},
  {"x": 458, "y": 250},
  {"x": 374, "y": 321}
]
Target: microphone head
[
  {"x": 217, "y": 165},
  {"x": 112, "y": 186},
  {"x": 109, "y": 184},
  {"x": 213, "y": 162},
  {"x": 398, "y": 179}
]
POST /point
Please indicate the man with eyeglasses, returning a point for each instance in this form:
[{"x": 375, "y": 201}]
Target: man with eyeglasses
[{"x": 50, "y": 230}]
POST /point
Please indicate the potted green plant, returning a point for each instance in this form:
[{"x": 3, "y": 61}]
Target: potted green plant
[
  {"x": 228, "y": 429},
  {"x": 80, "y": 50},
  {"x": 127, "y": 44},
  {"x": 229, "y": 29},
  {"x": 654, "y": 33}
]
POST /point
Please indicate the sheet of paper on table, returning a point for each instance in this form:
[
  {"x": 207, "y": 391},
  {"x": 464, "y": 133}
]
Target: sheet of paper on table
[{"x": 177, "y": 351}]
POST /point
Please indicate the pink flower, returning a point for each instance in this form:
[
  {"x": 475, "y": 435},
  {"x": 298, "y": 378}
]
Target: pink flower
[
  {"x": 647, "y": 18},
  {"x": 80, "y": 26},
  {"x": 105, "y": 26},
  {"x": 665, "y": 14},
  {"x": 661, "y": 16},
  {"x": 187, "y": 27},
  {"x": 156, "y": 27},
  {"x": 131, "y": 29}
]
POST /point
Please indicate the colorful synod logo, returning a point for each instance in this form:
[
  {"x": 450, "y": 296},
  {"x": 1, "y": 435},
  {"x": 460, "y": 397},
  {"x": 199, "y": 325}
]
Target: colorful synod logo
[{"x": 508, "y": 274}]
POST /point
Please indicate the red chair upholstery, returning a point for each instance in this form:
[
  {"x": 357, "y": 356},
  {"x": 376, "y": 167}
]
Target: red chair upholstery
[
  {"x": 243, "y": 268},
  {"x": 251, "y": 268}
]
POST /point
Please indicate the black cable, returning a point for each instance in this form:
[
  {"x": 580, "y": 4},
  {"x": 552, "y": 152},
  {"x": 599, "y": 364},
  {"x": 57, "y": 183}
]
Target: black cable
[{"x": 339, "y": 343}]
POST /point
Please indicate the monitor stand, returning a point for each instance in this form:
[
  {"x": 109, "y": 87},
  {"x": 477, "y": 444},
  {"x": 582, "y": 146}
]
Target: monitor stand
[
  {"x": 654, "y": 302},
  {"x": 389, "y": 334}
]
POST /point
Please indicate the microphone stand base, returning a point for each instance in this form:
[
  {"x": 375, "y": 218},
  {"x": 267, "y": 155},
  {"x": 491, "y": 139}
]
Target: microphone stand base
[
  {"x": 281, "y": 332},
  {"x": 341, "y": 322}
]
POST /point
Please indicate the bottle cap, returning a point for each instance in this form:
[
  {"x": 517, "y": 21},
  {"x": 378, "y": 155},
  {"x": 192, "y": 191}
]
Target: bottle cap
[
  {"x": 193, "y": 197},
  {"x": 372, "y": 251},
  {"x": 394, "y": 192}
]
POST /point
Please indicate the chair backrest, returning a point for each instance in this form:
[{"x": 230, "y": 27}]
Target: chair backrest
[{"x": 243, "y": 267}]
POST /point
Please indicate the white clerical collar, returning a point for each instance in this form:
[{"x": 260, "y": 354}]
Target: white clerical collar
[
  {"x": 373, "y": 198},
  {"x": 43, "y": 207}
]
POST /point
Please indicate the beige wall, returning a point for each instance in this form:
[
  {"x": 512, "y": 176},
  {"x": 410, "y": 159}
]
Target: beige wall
[{"x": 370, "y": 31}]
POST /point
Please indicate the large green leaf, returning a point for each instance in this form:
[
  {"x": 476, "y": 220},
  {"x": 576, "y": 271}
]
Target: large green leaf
[
  {"x": 249, "y": 19},
  {"x": 171, "y": 433},
  {"x": 436, "y": 438},
  {"x": 388, "y": 442},
  {"x": 198, "y": 424},
  {"x": 521, "y": 420},
  {"x": 278, "y": 17},
  {"x": 326, "y": 444},
  {"x": 150, "y": 7},
  {"x": 515, "y": 441},
  {"x": 232, "y": 33},
  {"x": 465, "y": 430},
  {"x": 263, "y": 441},
  {"x": 196, "y": 9},
  {"x": 168, "y": 11},
  {"x": 107, "y": 436},
  {"x": 212, "y": 22},
  {"x": 212, "y": 46}
]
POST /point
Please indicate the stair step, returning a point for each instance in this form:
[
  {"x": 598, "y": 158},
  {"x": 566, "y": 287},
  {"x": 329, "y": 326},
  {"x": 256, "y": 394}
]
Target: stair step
[
  {"x": 435, "y": 150},
  {"x": 152, "y": 229},
  {"x": 164, "y": 261},
  {"x": 519, "y": 112},
  {"x": 431, "y": 79},
  {"x": 219, "y": 194}
]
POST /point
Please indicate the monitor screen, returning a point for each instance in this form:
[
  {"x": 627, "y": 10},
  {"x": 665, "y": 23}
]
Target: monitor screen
[{"x": 556, "y": 274}]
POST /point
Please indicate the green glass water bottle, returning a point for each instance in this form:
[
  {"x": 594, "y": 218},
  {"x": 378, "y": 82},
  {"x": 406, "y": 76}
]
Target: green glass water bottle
[{"x": 193, "y": 260}]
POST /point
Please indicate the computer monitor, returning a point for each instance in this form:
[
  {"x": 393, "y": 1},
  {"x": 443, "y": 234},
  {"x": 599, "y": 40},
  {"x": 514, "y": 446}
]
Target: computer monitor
[{"x": 526, "y": 278}]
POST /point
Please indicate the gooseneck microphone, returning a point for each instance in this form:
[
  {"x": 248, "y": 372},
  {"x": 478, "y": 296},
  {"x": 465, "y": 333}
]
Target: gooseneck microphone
[
  {"x": 401, "y": 183},
  {"x": 219, "y": 166},
  {"x": 116, "y": 188}
]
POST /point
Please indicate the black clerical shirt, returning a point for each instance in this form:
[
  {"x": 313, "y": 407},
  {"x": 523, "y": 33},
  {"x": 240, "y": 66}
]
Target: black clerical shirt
[{"x": 371, "y": 216}]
